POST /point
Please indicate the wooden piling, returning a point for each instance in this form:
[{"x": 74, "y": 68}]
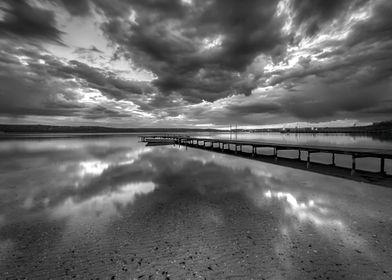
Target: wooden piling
[
  {"x": 352, "y": 164},
  {"x": 382, "y": 166}
]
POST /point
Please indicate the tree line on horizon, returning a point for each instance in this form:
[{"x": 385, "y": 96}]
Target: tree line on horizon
[{"x": 378, "y": 127}]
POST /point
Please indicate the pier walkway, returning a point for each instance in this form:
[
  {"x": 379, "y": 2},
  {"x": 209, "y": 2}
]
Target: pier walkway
[{"x": 256, "y": 150}]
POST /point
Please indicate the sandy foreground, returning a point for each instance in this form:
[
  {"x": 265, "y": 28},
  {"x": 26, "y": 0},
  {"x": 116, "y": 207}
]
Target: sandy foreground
[
  {"x": 198, "y": 218},
  {"x": 186, "y": 237}
]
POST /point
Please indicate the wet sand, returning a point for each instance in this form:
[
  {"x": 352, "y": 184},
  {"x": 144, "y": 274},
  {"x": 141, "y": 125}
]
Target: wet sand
[{"x": 167, "y": 213}]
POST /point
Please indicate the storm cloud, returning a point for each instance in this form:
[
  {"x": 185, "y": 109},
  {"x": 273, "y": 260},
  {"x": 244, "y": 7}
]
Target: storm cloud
[
  {"x": 20, "y": 19},
  {"x": 199, "y": 51},
  {"x": 187, "y": 62}
]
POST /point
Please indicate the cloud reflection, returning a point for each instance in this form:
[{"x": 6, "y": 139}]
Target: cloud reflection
[
  {"x": 93, "y": 167},
  {"x": 321, "y": 217},
  {"x": 121, "y": 178},
  {"x": 304, "y": 211},
  {"x": 103, "y": 205}
]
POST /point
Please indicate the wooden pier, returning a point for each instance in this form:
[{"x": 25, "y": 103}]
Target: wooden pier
[{"x": 237, "y": 147}]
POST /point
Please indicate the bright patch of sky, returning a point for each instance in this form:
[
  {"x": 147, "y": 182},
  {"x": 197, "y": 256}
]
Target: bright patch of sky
[
  {"x": 209, "y": 43},
  {"x": 90, "y": 46}
]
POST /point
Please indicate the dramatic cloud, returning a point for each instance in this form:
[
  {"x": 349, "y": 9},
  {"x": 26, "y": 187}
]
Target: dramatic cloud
[
  {"x": 184, "y": 63},
  {"x": 199, "y": 51},
  {"x": 106, "y": 82},
  {"x": 313, "y": 14},
  {"x": 76, "y": 7},
  {"x": 23, "y": 20}
]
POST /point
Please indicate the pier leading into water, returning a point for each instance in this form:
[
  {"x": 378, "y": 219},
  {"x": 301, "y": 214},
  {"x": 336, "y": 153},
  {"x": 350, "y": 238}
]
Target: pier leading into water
[{"x": 257, "y": 150}]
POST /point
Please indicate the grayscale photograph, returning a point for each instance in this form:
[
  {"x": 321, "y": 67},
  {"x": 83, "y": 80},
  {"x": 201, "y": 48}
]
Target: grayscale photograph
[{"x": 196, "y": 139}]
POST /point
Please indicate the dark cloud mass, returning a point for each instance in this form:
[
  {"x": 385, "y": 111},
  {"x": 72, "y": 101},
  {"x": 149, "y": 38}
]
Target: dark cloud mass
[
  {"x": 33, "y": 90},
  {"x": 76, "y": 7},
  {"x": 106, "y": 82},
  {"x": 23, "y": 20},
  {"x": 196, "y": 61},
  {"x": 377, "y": 30},
  {"x": 175, "y": 51},
  {"x": 255, "y": 108},
  {"x": 313, "y": 14},
  {"x": 49, "y": 89}
]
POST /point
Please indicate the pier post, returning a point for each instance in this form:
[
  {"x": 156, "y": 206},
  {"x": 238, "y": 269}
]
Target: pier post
[
  {"x": 352, "y": 164},
  {"x": 235, "y": 148},
  {"x": 253, "y": 151},
  {"x": 308, "y": 160},
  {"x": 333, "y": 159},
  {"x": 276, "y": 154},
  {"x": 382, "y": 166},
  {"x": 299, "y": 154}
]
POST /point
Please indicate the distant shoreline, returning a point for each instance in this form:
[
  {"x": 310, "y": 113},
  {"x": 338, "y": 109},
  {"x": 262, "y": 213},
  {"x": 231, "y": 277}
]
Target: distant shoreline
[{"x": 8, "y": 129}]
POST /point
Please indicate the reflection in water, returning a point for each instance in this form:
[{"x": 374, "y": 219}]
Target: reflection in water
[
  {"x": 311, "y": 212},
  {"x": 93, "y": 167},
  {"x": 102, "y": 205},
  {"x": 121, "y": 209},
  {"x": 305, "y": 211}
]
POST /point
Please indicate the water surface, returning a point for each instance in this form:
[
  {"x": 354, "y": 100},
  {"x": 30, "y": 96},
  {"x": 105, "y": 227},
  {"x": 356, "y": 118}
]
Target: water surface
[
  {"x": 380, "y": 141},
  {"x": 111, "y": 208}
]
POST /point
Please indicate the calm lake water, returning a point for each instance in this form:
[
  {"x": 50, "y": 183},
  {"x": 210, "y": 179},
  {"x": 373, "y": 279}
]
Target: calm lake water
[{"x": 111, "y": 208}]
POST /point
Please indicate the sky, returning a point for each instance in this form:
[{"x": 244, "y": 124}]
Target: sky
[{"x": 195, "y": 63}]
